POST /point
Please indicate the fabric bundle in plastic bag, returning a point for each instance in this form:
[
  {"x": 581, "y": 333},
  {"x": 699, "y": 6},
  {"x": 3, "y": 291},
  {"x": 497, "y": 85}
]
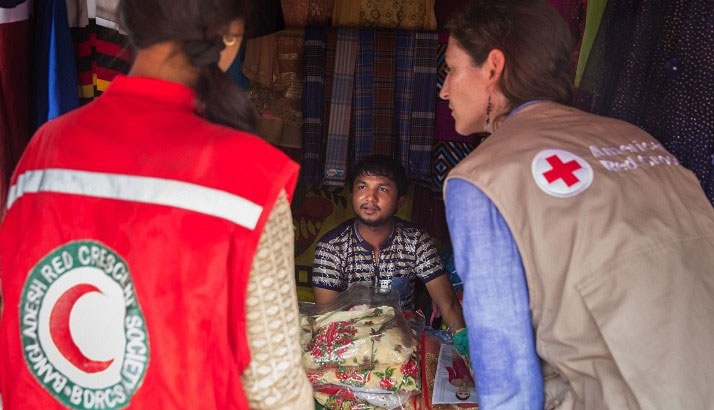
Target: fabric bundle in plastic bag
[{"x": 360, "y": 352}]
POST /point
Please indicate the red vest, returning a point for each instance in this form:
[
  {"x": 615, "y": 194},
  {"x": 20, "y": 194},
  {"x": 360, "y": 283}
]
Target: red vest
[{"x": 129, "y": 236}]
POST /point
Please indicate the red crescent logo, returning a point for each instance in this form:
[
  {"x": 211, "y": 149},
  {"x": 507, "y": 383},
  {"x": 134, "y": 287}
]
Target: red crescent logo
[{"x": 59, "y": 330}]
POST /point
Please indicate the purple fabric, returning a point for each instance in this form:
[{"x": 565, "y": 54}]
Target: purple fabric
[{"x": 444, "y": 125}]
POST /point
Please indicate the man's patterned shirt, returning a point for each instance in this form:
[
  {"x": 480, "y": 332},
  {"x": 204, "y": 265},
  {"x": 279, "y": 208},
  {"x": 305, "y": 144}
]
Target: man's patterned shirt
[{"x": 343, "y": 257}]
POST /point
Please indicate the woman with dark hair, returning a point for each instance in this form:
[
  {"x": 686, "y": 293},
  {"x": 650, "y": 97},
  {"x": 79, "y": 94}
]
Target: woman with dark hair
[
  {"x": 147, "y": 249},
  {"x": 586, "y": 250}
]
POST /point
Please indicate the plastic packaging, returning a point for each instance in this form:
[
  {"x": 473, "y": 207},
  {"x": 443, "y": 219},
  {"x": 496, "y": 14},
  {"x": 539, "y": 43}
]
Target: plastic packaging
[{"x": 360, "y": 352}]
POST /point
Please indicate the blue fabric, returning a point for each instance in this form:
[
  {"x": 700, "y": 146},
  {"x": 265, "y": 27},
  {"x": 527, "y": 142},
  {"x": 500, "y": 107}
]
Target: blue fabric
[
  {"x": 235, "y": 71},
  {"x": 313, "y": 124},
  {"x": 56, "y": 89},
  {"x": 496, "y": 309}
]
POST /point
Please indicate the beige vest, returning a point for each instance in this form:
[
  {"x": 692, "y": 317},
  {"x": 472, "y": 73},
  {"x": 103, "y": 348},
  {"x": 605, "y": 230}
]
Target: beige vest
[{"x": 620, "y": 272}]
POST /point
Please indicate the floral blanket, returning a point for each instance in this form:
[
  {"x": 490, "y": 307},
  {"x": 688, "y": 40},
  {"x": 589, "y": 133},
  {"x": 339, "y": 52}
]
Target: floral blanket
[
  {"x": 361, "y": 359},
  {"x": 363, "y": 337}
]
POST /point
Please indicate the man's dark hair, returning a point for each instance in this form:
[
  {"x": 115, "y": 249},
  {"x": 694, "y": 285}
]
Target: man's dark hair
[{"x": 382, "y": 166}]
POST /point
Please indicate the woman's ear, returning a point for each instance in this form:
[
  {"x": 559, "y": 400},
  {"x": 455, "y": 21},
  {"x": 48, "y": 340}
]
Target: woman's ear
[{"x": 495, "y": 62}]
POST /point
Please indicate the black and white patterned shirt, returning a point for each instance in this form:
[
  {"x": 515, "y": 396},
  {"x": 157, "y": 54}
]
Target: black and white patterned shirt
[{"x": 343, "y": 257}]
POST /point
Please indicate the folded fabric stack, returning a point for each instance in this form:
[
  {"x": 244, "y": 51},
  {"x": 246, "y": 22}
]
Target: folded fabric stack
[{"x": 360, "y": 359}]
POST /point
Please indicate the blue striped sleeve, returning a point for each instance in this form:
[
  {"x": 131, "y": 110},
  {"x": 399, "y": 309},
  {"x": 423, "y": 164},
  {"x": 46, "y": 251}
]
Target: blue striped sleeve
[{"x": 496, "y": 309}]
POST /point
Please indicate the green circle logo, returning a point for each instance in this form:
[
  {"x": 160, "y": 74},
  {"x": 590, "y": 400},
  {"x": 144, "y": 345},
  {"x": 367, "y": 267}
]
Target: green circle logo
[{"x": 83, "y": 332}]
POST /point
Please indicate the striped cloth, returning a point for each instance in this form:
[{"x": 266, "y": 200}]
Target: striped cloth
[
  {"x": 363, "y": 95},
  {"x": 423, "y": 107},
  {"x": 330, "y": 43},
  {"x": 384, "y": 69},
  {"x": 338, "y": 133},
  {"x": 101, "y": 53},
  {"x": 403, "y": 93},
  {"x": 312, "y": 102}
]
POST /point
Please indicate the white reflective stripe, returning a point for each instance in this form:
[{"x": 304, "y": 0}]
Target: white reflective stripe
[{"x": 157, "y": 191}]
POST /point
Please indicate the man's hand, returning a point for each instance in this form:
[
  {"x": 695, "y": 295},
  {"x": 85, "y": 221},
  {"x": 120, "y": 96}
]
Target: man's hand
[{"x": 442, "y": 293}]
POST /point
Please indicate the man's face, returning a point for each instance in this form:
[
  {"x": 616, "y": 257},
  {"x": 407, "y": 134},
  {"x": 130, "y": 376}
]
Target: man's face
[{"x": 375, "y": 199}]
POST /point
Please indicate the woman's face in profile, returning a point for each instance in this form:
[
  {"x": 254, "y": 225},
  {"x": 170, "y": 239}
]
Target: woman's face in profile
[{"x": 465, "y": 87}]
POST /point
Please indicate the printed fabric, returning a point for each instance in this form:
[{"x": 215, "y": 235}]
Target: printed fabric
[{"x": 361, "y": 358}]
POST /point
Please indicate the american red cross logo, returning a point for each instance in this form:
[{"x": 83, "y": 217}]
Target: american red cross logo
[
  {"x": 561, "y": 170},
  {"x": 561, "y": 173}
]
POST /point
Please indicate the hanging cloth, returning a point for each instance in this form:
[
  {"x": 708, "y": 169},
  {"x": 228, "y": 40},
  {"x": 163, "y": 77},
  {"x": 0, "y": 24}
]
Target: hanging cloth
[
  {"x": 384, "y": 69},
  {"x": 422, "y": 133},
  {"x": 101, "y": 51},
  {"x": 320, "y": 12},
  {"x": 338, "y": 133},
  {"x": 661, "y": 80},
  {"x": 595, "y": 8},
  {"x": 14, "y": 89},
  {"x": 445, "y": 156},
  {"x": 55, "y": 73},
  {"x": 346, "y": 13},
  {"x": 403, "y": 14},
  {"x": 403, "y": 93},
  {"x": 260, "y": 61},
  {"x": 312, "y": 102},
  {"x": 363, "y": 96}
]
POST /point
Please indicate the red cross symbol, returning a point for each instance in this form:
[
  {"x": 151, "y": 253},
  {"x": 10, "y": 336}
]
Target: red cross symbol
[{"x": 560, "y": 170}]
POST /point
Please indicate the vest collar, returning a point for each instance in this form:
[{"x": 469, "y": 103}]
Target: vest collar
[{"x": 169, "y": 95}]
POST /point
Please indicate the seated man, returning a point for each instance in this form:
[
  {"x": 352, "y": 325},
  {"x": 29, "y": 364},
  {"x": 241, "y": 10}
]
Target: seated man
[{"x": 380, "y": 248}]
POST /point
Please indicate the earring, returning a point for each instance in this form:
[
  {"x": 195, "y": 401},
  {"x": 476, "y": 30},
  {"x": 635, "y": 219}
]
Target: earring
[
  {"x": 488, "y": 110},
  {"x": 232, "y": 41}
]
